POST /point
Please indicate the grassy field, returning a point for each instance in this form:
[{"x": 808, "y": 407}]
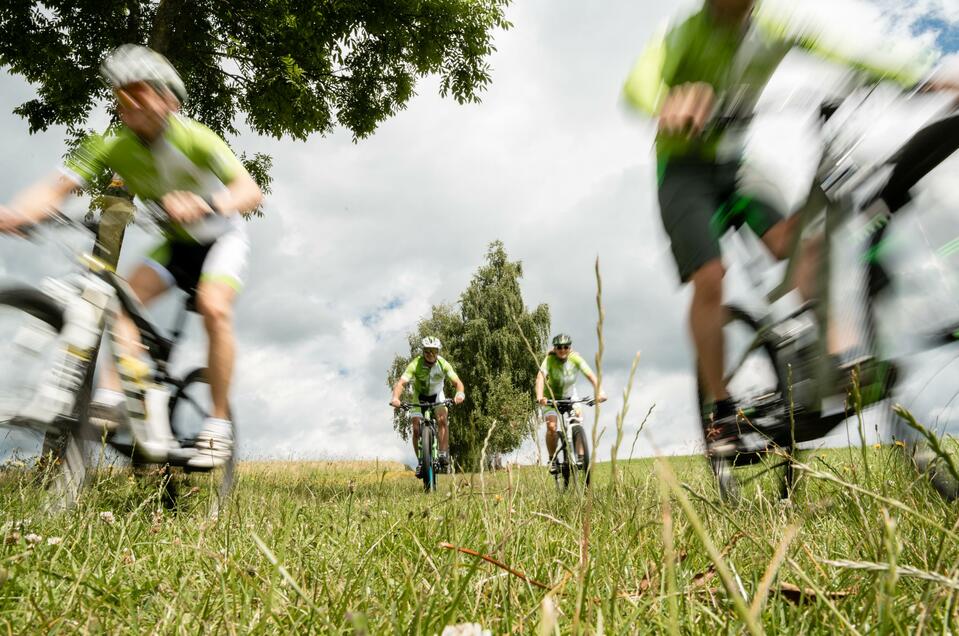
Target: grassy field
[{"x": 357, "y": 548}]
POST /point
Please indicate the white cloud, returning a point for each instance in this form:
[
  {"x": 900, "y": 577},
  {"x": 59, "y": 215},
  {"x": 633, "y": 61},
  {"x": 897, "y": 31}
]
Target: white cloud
[{"x": 361, "y": 239}]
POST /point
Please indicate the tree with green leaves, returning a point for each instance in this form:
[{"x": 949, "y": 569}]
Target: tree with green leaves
[
  {"x": 288, "y": 68},
  {"x": 487, "y": 338}
]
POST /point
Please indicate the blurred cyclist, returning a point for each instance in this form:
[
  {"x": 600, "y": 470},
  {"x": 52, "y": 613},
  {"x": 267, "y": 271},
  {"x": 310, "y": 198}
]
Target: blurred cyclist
[
  {"x": 556, "y": 380},
  {"x": 164, "y": 157},
  {"x": 428, "y": 373},
  {"x": 720, "y": 59}
]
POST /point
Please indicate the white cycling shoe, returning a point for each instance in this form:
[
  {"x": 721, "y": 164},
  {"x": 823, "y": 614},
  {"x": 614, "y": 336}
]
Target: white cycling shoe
[
  {"x": 153, "y": 440},
  {"x": 214, "y": 445}
]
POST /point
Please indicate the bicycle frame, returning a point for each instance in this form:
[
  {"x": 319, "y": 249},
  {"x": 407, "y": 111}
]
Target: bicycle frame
[
  {"x": 832, "y": 197},
  {"x": 566, "y": 433},
  {"x": 91, "y": 300},
  {"x": 428, "y": 421}
]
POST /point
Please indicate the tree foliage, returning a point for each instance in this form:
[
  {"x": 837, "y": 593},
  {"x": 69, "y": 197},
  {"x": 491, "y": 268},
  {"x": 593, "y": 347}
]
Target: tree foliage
[
  {"x": 483, "y": 338},
  {"x": 291, "y": 68}
]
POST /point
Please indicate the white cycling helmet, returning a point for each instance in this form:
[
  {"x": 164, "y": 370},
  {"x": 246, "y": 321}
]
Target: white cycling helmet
[
  {"x": 429, "y": 342},
  {"x": 131, "y": 63}
]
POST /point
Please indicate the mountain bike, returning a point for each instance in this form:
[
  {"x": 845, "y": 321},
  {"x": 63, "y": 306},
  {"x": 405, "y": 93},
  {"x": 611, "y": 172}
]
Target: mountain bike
[
  {"x": 572, "y": 449},
  {"x": 49, "y": 340},
  {"x": 429, "y": 445},
  {"x": 777, "y": 367}
]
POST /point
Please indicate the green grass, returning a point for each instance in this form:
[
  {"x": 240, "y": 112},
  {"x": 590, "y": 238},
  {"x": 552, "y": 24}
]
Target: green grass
[{"x": 356, "y": 548}]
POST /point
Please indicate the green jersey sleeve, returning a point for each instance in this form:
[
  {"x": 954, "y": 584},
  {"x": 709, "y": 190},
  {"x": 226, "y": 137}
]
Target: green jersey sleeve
[
  {"x": 544, "y": 368},
  {"x": 448, "y": 369},
  {"x": 580, "y": 363},
  {"x": 906, "y": 71},
  {"x": 654, "y": 72},
  {"x": 209, "y": 151},
  {"x": 89, "y": 160},
  {"x": 410, "y": 370}
]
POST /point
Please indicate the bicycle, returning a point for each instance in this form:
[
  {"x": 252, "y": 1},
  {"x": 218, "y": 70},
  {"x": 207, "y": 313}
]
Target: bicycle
[
  {"x": 429, "y": 446},
  {"x": 570, "y": 436},
  {"x": 56, "y": 331},
  {"x": 799, "y": 397}
]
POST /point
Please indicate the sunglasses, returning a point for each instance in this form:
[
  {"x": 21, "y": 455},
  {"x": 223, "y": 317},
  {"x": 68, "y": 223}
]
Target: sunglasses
[
  {"x": 431, "y": 351},
  {"x": 563, "y": 346}
]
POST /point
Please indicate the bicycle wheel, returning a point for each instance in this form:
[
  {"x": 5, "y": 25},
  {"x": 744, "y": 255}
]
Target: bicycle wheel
[
  {"x": 580, "y": 441},
  {"x": 563, "y": 472},
  {"x": 190, "y": 405},
  {"x": 920, "y": 268},
  {"x": 30, "y": 325},
  {"x": 426, "y": 457},
  {"x": 752, "y": 376}
]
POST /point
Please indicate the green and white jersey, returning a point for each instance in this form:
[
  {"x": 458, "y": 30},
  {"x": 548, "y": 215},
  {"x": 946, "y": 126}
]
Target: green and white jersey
[
  {"x": 186, "y": 157},
  {"x": 426, "y": 379},
  {"x": 738, "y": 62},
  {"x": 561, "y": 375}
]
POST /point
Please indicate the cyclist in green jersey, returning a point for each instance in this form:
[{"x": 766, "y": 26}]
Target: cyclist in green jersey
[
  {"x": 164, "y": 157},
  {"x": 556, "y": 380},
  {"x": 427, "y": 375},
  {"x": 725, "y": 52}
]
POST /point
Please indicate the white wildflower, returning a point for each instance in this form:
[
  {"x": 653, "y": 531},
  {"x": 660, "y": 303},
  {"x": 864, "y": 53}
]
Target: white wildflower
[
  {"x": 32, "y": 538},
  {"x": 107, "y": 517},
  {"x": 465, "y": 629},
  {"x": 54, "y": 540}
]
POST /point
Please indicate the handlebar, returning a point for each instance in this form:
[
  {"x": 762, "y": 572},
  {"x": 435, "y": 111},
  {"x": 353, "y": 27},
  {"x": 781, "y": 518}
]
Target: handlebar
[
  {"x": 406, "y": 406},
  {"x": 720, "y": 121},
  {"x": 588, "y": 401}
]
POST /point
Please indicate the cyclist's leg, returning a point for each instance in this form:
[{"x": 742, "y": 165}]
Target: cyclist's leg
[
  {"x": 688, "y": 197},
  {"x": 442, "y": 425},
  {"x": 415, "y": 419},
  {"x": 577, "y": 420},
  {"x": 214, "y": 301},
  {"x": 706, "y": 320},
  {"x": 106, "y": 406},
  {"x": 551, "y": 419},
  {"x": 220, "y": 280},
  {"x": 778, "y": 235},
  {"x": 147, "y": 283}
]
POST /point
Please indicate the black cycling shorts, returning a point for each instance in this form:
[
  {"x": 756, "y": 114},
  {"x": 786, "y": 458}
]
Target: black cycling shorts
[{"x": 699, "y": 202}]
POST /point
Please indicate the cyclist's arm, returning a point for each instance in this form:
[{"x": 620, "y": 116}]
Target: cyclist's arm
[
  {"x": 540, "y": 386},
  {"x": 36, "y": 202},
  {"x": 589, "y": 375},
  {"x": 241, "y": 195},
  {"x": 908, "y": 72},
  {"x": 400, "y": 385},
  {"x": 398, "y": 389},
  {"x": 597, "y": 391},
  {"x": 454, "y": 378},
  {"x": 652, "y": 90},
  {"x": 646, "y": 88}
]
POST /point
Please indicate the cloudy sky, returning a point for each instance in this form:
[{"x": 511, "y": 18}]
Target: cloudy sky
[{"x": 359, "y": 240}]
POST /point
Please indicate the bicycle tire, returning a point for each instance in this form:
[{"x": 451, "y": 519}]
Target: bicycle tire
[
  {"x": 426, "y": 457},
  {"x": 723, "y": 468},
  {"x": 934, "y": 457},
  {"x": 580, "y": 434},
  {"x": 63, "y": 445},
  {"x": 187, "y": 412},
  {"x": 563, "y": 473}
]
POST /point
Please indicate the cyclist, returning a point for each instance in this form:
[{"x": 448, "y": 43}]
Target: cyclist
[
  {"x": 556, "y": 380},
  {"x": 164, "y": 157},
  {"x": 725, "y": 52},
  {"x": 428, "y": 373}
]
